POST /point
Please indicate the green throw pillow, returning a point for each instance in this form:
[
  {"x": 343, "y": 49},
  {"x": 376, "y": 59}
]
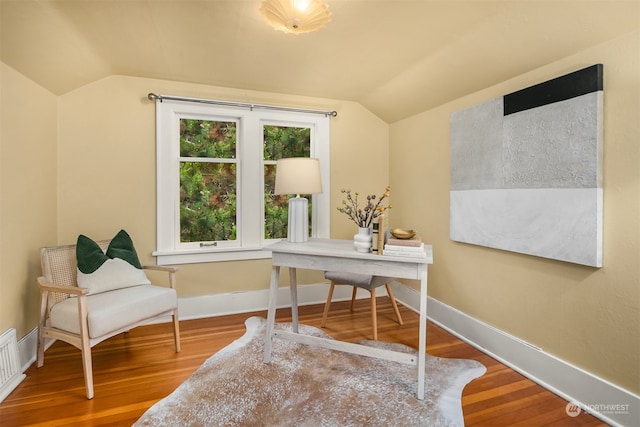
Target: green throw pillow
[
  {"x": 118, "y": 267},
  {"x": 121, "y": 246}
]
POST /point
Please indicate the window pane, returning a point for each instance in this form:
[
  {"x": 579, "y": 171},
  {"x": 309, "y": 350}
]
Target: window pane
[
  {"x": 207, "y": 201},
  {"x": 207, "y": 138},
  {"x": 281, "y": 142}
]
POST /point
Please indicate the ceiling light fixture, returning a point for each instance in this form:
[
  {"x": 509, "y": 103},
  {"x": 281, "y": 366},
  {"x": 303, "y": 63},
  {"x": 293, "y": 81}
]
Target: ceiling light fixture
[{"x": 296, "y": 16}]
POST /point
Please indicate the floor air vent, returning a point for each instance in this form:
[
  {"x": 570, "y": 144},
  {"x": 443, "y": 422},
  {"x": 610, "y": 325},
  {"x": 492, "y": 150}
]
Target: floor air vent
[{"x": 10, "y": 372}]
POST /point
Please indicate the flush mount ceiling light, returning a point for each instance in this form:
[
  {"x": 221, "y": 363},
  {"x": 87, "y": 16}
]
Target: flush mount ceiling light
[{"x": 296, "y": 16}]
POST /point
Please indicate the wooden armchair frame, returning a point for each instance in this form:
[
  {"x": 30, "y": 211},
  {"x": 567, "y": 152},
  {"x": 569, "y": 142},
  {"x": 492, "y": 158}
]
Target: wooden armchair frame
[{"x": 59, "y": 282}]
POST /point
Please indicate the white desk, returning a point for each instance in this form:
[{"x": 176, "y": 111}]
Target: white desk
[{"x": 339, "y": 255}]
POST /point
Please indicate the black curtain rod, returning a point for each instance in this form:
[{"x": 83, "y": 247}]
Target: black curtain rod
[{"x": 154, "y": 97}]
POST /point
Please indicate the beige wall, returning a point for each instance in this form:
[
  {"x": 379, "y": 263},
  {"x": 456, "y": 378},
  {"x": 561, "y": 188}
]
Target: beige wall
[
  {"x": 27, "y": 194},
  {"x": 589, "y": 317}
]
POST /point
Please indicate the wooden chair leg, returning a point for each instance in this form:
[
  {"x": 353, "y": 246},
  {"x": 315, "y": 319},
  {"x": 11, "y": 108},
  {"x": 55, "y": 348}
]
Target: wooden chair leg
[
  {"x": 394, "y": 304},
  {"x": 40, "y": 350},
  {"x": 374, "y": 314},
  {"x": 88, "y": 368},
  {"x": 41, "y": 325},
  {"x": 176, "y": 330},
  {"x": 353, "y": 298},
  {"x": 327, "y": 305},
  {"x": 85, "y": 345}
]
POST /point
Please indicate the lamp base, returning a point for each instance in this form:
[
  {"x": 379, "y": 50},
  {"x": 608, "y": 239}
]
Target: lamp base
[{"x": 298, "y": 220}]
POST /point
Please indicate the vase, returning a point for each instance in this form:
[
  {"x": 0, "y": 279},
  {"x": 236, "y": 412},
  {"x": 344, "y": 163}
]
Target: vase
[{"x": 362, "y": 240}]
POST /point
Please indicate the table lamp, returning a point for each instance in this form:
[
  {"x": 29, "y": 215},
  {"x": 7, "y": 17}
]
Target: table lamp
[{"x": 298, "y": 175}]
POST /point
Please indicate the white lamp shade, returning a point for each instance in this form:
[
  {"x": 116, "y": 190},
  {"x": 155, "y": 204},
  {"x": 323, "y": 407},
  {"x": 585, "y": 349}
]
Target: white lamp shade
[{"x": 298, "y": 175}]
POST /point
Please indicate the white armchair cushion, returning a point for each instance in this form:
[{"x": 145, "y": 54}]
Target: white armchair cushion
[{"x": 114, "y": 310}]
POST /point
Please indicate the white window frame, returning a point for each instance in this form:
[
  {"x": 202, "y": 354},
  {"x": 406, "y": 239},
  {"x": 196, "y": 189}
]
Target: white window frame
[{"x": 250, "y": 239}]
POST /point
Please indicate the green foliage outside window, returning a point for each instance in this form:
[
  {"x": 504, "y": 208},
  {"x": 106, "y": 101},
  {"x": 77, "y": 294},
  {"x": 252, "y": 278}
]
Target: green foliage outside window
[
  {"x": 281, "y": 142},
  {"x": 207, "y": 201},
  {"x": 208, "y": 191},
  {"x": 207, "y": 139}
]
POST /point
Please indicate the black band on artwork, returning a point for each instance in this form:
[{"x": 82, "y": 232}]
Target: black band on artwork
[{"x": 561, "y": 88}]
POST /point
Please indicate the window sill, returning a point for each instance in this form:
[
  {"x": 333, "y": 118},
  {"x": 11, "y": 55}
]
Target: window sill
[{"x": 196, "y": 257}]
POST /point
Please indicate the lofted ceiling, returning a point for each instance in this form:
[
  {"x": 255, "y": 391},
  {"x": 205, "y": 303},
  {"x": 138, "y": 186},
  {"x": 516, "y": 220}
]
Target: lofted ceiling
[{"x": 395, "y": 57}]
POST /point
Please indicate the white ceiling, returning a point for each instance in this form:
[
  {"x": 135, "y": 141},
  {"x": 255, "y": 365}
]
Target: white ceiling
[{"x": 396, "y": 57}]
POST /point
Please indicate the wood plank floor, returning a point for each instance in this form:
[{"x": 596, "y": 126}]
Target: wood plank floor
[{"x": 133, "y": 371}]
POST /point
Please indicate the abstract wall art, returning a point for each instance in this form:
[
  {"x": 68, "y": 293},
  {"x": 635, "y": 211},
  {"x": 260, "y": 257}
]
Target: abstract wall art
[{"x": 526, "y": 170}]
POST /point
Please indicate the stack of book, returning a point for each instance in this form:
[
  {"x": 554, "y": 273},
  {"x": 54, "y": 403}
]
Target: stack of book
[
  {"x": 379, "y": 232},
  {"x": 413, "y": 248}
]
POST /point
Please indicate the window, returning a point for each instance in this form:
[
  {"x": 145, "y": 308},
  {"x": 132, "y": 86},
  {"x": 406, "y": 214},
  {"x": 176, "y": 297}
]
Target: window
[{"x": 216, "y": 174}]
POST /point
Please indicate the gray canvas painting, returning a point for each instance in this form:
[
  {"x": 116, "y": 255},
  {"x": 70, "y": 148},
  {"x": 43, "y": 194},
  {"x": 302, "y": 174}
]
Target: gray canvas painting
[{"x": 526, "y": 170}]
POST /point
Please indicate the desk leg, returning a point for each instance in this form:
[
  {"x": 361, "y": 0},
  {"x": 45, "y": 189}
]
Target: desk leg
[
  {"x": 422, "y": 344},
  {"x": 293, "y": 285},
  {"x": 271, "y": 313}
]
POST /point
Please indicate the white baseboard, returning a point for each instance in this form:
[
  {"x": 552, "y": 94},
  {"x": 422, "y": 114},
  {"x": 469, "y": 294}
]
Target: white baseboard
[
  {"x": 604, "y": 400},
  {"x": 595, "y": 395},
  {"x": 243, "y": 302}
]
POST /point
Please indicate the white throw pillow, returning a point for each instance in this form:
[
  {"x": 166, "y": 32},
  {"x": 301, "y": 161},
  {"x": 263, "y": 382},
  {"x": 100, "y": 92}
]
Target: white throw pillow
[
  {"x": 113, "y": 274},
  {"x": 118, "y": 267}
]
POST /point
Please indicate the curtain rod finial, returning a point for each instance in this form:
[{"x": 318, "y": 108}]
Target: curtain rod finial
[{"x": 152, "y": 96}]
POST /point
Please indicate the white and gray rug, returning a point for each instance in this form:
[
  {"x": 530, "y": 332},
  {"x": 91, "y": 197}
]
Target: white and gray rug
[{"x": 309, "y": 386}]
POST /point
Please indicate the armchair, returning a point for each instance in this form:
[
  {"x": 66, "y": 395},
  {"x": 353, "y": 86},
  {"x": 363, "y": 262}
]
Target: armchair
[{"x": 84, "y": 318}]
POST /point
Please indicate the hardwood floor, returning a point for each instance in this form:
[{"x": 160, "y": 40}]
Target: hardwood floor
[{"x": 132, "y": 371}]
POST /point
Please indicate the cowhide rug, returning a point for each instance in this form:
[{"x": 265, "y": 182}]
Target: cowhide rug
[{"x": 310, "y": 386}]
